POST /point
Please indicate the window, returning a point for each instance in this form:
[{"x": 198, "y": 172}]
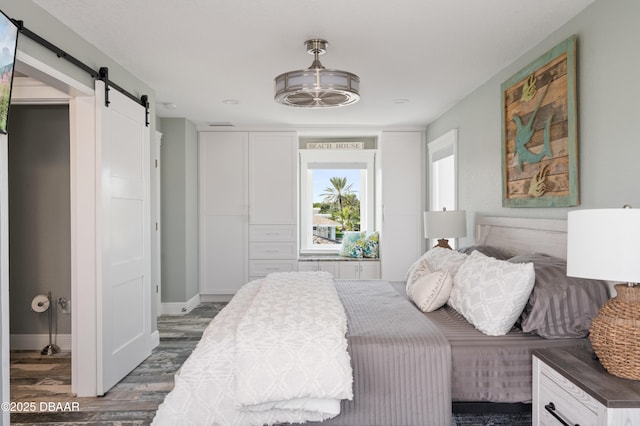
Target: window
[
  {"x": 336, "y": 195},
  {"x": 443, "y": 188}
]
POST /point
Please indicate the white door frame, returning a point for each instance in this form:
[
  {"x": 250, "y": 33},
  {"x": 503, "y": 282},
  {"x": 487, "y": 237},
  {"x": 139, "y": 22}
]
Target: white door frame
[
  {"x": 156, "y": 216},
  {"x": 4, "y": 278},
  {"x": 83, "y": 220}
]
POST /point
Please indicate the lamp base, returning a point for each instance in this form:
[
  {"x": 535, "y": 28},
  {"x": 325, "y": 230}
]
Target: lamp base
[
  {"x": 615, "y": 333},
  {"x": 444, "y": 243}
]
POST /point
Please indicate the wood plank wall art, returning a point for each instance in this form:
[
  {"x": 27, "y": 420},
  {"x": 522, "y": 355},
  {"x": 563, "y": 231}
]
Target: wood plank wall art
[{"x": 539, "y": 132}]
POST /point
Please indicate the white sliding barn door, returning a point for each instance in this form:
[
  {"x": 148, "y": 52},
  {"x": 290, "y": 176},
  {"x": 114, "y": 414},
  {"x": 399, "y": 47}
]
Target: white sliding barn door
[{"x": 124, "y": 271}]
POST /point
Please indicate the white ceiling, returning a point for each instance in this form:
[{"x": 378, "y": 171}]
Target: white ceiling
[{"x": 199, "y": 53}]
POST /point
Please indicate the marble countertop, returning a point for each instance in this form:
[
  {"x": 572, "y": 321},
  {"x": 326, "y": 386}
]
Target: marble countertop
[{"x": 332, "y": 257}]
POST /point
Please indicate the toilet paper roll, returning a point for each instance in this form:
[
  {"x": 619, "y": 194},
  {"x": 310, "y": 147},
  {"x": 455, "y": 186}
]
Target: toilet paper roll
[{"x": 40, "y": 303}]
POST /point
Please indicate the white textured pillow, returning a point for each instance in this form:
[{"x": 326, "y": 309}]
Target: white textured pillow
[
  {"x": 417, "y": 271},
  {"x": 441, "y": 258},
  {"x": 431, "y": 291},
  {"x": 491, "y": 293}
]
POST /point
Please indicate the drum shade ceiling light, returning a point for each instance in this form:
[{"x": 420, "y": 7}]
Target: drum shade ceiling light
[{"x": 317, "y": 87}]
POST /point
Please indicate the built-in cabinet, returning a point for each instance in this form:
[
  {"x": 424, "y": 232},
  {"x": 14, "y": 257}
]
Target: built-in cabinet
[
  {"x": 401, "y": 201},
  {"x": 248, "y": 197},
  {"x": 248, "y": 209},
  {"x": 344, "y": 269},
  {"x": 361, "y": 270},
  {"x": 272, "y": 248}
]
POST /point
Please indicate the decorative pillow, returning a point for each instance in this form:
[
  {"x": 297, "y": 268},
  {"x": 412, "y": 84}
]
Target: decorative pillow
[
  {"x": 490, "y": 251},
  {"x": 417, "y": 271},
  {"x": 413, "y": 266},
  {"x": 560, "y": 306},
  {"x": 372, "y": 245},
  {"x": 440, "y": 258},
  {"x": 491, "y": 293},
  {"x": 360, "y": 244},
  {"x": 431, "y": 290}
]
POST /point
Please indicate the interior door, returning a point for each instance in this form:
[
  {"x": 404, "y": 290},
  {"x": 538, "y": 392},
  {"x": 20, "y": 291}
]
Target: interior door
[{"x": 124, "y": 272}]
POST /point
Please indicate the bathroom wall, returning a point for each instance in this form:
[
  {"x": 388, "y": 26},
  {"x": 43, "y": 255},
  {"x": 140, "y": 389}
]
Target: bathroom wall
[{"x": 39, "y": 214}]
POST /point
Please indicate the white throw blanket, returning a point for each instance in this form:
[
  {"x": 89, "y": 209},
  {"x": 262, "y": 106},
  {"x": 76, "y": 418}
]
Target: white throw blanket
[{"x": 276, "y": 353}]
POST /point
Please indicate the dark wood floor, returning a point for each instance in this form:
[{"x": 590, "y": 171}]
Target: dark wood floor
[{"x": 133, "y": 401}]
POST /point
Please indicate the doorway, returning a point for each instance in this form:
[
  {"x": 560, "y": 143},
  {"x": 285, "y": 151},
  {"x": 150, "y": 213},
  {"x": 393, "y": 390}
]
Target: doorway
[
  {"x": 39, "y": 231},
  {"x": 49, "y": 87}
]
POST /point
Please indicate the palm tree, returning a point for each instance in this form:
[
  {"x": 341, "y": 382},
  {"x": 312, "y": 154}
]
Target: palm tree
[
  {"x": 336, "y": 193},
  {"x": 349, "y": 218}
]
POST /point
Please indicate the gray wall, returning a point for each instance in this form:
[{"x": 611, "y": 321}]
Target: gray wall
[
  {"x": 179, "y": 210},
  {"x": 608, "y": 118},
  {"x": 39, "y": 214}
]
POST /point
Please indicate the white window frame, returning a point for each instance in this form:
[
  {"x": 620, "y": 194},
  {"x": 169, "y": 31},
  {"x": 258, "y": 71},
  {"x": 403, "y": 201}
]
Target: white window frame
[
  {"x": 334, "y": 159},
  {"x": 438, "y": 149}
]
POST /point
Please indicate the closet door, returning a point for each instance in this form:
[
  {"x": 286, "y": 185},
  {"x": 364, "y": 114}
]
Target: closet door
[
  {"x": 223, "y": 204},
  {"x": 402, "y": 202},
  {"x": 272, "y": 178}
]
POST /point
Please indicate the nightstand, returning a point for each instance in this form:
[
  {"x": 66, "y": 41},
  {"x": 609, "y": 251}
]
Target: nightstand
[{"x": 571, "y": 388}]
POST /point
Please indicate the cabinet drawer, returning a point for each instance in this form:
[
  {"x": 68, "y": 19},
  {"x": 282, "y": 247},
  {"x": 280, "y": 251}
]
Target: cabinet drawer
[
  {"x": 570, "y": 403},
  {"x": 272, "y": 250},
  {"x": 262, "y": 268},
  {"x": 272, "y": 233}
]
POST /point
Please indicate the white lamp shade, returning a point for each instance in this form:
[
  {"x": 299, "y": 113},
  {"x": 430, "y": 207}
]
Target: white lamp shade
[
  {"x": 604, "y": 244},
  {"x": 445, "y": 224}
]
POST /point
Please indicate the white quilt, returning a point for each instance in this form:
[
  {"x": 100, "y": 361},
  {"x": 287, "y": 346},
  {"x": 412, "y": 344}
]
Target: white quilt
[{"x": 277, "y": 353}]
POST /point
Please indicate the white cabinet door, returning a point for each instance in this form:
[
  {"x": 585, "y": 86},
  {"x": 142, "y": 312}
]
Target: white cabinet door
[
  {"x": 223, "y": 204},
  {"x": 331, "y": 267},
  {"x": 349, "y": 270},
  {"x": 370, "y": 270},
  {"x": 402, "y": 193},
  {"x": 272, "y": 177},
  {"x": 307, "y": 266},
  {"x": 223, "y": 173}
]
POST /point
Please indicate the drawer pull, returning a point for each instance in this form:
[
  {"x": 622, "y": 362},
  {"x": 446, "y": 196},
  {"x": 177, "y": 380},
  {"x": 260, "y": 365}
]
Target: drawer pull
[{"x": 551, "y": 408}]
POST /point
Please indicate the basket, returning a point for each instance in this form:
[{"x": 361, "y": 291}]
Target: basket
[{"x": 615, "y": 333}]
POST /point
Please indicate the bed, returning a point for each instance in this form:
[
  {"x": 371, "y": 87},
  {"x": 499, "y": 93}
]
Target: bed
[{"x": 409, "y": 367}]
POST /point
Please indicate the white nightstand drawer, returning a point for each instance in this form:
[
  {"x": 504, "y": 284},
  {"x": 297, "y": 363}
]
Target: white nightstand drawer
[
  {"x": 262, "y": 268},
  {"x": 561, "y": 397},
  {"x": 273, "y": 250},
  {"x": 272, "y": 233}
]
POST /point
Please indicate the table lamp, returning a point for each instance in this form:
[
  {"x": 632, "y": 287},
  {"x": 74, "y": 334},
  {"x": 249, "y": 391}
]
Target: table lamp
[
  {"x": 445, "y": 224},
  {"x": 605, "y": 244}
]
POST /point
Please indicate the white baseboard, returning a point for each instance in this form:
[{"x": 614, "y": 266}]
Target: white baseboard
[
  {"x": 215, "y": 297},
  {"x": 155, "y": 339},
  {"x": 32, "y": 342},
  {"x": 180, "y": 308}
]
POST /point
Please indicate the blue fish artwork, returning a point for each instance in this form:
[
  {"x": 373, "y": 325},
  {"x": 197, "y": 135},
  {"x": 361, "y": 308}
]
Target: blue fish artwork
[{"x": 524, "y": 133}]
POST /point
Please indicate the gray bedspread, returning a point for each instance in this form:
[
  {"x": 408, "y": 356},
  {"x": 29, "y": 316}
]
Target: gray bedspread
[
  {"x": 401, "y": 361},
  {"x": 489, "y": 368}
]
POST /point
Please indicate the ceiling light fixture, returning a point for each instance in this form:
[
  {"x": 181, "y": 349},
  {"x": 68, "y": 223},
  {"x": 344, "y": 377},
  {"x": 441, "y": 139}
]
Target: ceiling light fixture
[{"x": 317, "y": 87}]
